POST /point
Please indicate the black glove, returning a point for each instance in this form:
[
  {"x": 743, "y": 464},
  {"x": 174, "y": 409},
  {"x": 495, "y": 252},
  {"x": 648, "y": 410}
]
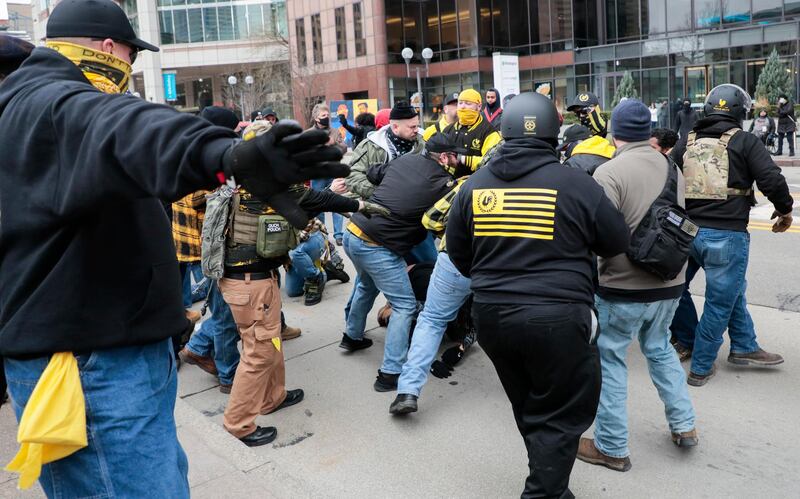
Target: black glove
[
  {"x": 342, "y": 119},
  {"x": 368, "y": 209},
  {"x": 452, "y": 355},
  {"x": 441, "y": 370},
  {"x": 268, "y": 164}
]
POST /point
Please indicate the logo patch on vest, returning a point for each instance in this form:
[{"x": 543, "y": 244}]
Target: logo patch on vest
[{"x": 273, "y": 227}]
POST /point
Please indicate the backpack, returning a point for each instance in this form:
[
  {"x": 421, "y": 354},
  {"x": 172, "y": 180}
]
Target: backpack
[
  {"x": 706, "y": 165},
  {"x": 215, "y": 223},
  {"x": 661, "y": 242}
]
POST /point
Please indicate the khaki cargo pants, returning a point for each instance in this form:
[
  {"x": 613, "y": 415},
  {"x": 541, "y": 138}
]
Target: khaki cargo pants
[{"x": 259, "y": 384}]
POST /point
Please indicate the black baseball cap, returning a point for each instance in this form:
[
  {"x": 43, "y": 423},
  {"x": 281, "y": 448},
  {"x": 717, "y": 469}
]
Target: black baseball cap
[
  {"x": 576, "y": 132},
  {"x": 93, "y": 19},
  {"x": 440, "y": 142},
  {"x": 583, "y": 99},
  {"x": 450, "y": 98}
]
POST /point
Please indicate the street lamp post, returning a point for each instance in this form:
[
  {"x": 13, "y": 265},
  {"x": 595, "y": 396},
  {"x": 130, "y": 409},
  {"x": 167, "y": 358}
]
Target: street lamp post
[
  {"x": 408, "y": 54},
  {"x": 248, "y": 80}
]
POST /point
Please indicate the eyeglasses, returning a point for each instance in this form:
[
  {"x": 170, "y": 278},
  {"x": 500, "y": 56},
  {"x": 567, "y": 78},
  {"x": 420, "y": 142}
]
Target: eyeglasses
[{"x": 134, "y": 53}]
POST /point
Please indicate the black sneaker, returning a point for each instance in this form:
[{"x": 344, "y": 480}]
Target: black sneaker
[
  {"x": 313, "y": 290},
  {"x": 386, "y": 382},
  {"x": 335, "y": 274},
  {"x": 352, "y": 345}
]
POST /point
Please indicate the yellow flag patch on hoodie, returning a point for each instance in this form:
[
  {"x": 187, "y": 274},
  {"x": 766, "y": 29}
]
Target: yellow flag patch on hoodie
[{"x": 520, "y": 212}]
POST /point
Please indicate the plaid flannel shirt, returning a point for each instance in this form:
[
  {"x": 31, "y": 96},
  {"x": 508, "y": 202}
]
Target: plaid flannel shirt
[
  {"x": 435, "y": 219},
  {"x": 187, "y": 226}
]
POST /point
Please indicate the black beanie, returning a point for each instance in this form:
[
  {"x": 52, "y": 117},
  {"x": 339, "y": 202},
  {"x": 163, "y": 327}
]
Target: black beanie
[{"x": 402, "y": 111}]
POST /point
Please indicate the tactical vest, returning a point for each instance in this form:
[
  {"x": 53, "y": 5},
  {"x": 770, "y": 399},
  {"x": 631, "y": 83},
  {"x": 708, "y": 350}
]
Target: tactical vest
[
  {"x": 706, "y": 165},
  {"x": 252, "y": 236}
]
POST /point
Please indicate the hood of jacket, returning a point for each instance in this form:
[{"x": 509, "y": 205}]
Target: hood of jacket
[
  {"x": 44, "y": 66},
  {"x": 494, "y": 107},
  {"x": 596, "y": 145},
  {"x": 715, "y": 125},
  {"x": 379, "y": 138},
  {"x": 518, "y": 157}
]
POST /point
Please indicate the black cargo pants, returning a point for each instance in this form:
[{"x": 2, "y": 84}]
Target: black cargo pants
[{"x": 549, "y": 366}]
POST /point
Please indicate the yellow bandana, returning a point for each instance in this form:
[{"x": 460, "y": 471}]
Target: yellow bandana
[
  {"x": 468, "y": 117},
  {"x": 104, "y": 71}
]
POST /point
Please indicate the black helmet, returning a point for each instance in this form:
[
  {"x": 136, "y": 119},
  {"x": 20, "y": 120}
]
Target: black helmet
[
  {"x": 728, "y": 100},
  {"x": 530, "y": 115},
  {"x": 583, "y": 99}
]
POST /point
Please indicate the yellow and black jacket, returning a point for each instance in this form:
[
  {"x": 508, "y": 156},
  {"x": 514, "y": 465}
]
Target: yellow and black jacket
[
  {"x": 590, "y": 154},
  {"x": 187, "y": 224},
  {"x": 477, "y": 138},
  {"x": 523, "y": 227},
  {"x": 437, "y": 127}
]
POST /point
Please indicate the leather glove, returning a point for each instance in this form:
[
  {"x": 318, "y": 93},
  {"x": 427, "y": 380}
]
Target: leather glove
[
  {"x": 452, "y": 355},
  {"x": 783, "y": 223},
  {"x": 441, "y": 370},
  {"x": 342, "y": 119},
  {"x": 268, "y": 164},
  {"x": 368, "y": 208}
]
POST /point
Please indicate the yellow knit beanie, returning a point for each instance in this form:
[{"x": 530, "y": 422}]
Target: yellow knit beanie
[{"x": 470, "y": 95}]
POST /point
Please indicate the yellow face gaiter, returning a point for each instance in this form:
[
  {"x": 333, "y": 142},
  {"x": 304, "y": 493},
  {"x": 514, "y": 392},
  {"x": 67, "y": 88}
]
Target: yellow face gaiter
[
  {"x": 105, "y": 72},
  {"x": 468, "y": 117}
]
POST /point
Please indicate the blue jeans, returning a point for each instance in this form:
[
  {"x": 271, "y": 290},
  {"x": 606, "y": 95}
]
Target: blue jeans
[
  {"x": 619, "y": 323},
  {"x": 380, "y": 270},
  {"x": 723, "y": 255},
  {"x": 447, "y": 292},
  {"x": 217, "y": 337},
  {"x": 321, "y": 185},
  {"x": 423, "y": 252},
  {"x": 133, "y": 447},
  {"x": 304, "y": 258}
]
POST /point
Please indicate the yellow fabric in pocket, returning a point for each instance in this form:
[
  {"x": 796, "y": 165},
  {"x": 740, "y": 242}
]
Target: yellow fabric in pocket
[
  {"x": 277, "y": 343},
  {"x": 53, "y": 424}
]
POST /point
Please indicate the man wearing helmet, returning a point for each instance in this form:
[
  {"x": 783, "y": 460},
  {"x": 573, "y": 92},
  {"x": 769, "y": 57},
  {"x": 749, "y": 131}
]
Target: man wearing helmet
[
  {"x": 720, "y": 165},
  {"x": 595, "y": 150},
  {"x": 524, "y": 229}
]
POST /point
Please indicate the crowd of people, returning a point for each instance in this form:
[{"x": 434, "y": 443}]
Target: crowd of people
[{"x": 550, "y": 250}]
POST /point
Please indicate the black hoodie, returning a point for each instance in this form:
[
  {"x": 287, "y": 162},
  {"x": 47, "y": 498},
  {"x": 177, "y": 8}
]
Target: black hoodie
[
  {"x": 536, "y": 226},
  {"x": 749, "y": 162},
  {"x": 86, "y": 253},
  {"x": 493, "y": 113}
]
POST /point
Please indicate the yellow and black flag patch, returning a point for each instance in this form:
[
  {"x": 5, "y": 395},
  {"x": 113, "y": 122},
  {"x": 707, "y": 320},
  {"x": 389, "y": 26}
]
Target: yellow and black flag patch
[{"x": 528, "y": 213}]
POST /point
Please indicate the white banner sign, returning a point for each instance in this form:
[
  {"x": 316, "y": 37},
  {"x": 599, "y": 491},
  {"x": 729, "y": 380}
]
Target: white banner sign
[{"x": 506, "y": 73}]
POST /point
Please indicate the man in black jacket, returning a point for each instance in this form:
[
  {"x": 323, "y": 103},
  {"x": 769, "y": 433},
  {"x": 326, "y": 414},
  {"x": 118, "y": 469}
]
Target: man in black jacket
[
  {"x": 722, "y": 246},
  {"x": 377, "y": 246},
  {"x": 685, "y": 120},
  {"x": 80, "y": 193},
  {"x": 524, "y": 229},
  {"x": 786, "y": 124}
]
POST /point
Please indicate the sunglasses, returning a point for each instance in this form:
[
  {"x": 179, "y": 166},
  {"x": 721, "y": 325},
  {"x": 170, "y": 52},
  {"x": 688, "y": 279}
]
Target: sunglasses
[{"x": 134, "y": 53}]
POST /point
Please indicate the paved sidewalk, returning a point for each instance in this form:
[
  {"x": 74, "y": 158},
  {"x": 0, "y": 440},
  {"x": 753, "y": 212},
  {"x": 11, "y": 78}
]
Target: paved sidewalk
[{"x": 341, "y": 441}]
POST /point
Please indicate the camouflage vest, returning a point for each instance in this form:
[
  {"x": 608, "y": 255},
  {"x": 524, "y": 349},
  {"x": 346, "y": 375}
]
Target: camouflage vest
[{"x": 705, "y": 167}]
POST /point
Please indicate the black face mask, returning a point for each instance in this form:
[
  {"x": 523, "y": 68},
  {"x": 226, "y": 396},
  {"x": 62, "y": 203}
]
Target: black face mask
[
  {"x": 687, "y": 106},
  {"x": 324, "y": 122}
]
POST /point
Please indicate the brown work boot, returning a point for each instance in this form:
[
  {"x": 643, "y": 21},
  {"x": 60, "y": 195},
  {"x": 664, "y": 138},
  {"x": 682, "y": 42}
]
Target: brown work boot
[
  {"x": 204, "y": 363},
  {"x": 757, "y": 358},
  {"x": 701, "y": 379},
  {"x": 225, "y": 388},
  {"x": 684, "y": 353},
  {"x": 588, "y": 453},
  {"x": 193, "y": 316},
  {"x": 686, "y": 438},
  {"x": 290, "y": 333}
]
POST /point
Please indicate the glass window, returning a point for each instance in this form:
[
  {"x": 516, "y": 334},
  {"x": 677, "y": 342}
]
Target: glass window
[
  {"x": 767, "y": 9},
  {"x": 269, "y": 26},
  {"x": 255, "y": 21},
  {"x": 737, "y": 71},
  {"x": 166, "y": 28},
  {"x": 466, "y": 27},
  {"x": 720, "y": 74},
  {"x": 561, "y": 19},
  {"x": 540, "y": 22},
  {"x": 655, "y": 86},
  {"x": 394, "y": 26},
  {"x": 628, "y": 18},
  {"x": 706, "y": 14},
  {"x": 655, "y": 61},
  {"x": 754, "y": 69},
  {"x": 412, "y": 27},
  {"x": 240, "y": 21},
  {"x": 300, "y": 31},
  {"x": 210, "y": 24},
  {"x": 225, "y": 18},
  {"x": 499, "y": 14},
  {"x": 627, "y": 64},
  {"x": 358, "y": 27},
  {"x": 736, "y": 11},
  {"x": 430, "y": 20},
  {"x": 584, "y": 21},
  {"x": 181, "y": 26},
  {"x": 195, "y": 25},
  {"x": 316, "y": 38},
  {"x": 280, "y": 19},
  {"x": 341, "y": 34},
  {"x": 654, "y": 17},
  {"x": 681, "y": 21},
  {"x": 518, "y": 29},
  {"x": 449, "y": 24},
  {"x": 611, "y": 20}
]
